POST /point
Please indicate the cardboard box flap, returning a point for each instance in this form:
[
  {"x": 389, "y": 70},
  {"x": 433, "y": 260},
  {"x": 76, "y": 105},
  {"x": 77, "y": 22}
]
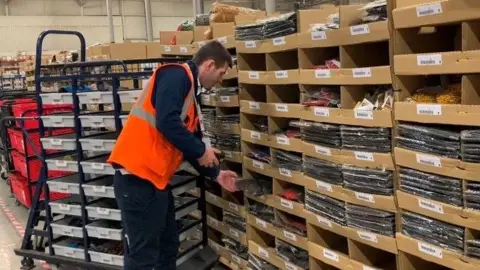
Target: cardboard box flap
[
  {"x": 364, "y": 33},
  {"x": 319, "y": 39},
  {"x": 329, "y": 256},
  {"x": 386, "y": 203},
  {"x": 347, "y": 76},
  {"x": 447, "y": 114},
  {"x": 253, "y": 77},
  {"x": 382, "y": 242}
]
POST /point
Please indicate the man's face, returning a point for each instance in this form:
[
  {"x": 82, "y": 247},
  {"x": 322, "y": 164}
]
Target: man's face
[{"x": 209, "y": 75}]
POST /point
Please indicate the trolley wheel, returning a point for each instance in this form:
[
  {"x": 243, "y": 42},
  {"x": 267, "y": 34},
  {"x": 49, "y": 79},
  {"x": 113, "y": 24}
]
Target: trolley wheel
[
  {"x": 4, "y": 175},
  {"x": 27, "y": 263}
]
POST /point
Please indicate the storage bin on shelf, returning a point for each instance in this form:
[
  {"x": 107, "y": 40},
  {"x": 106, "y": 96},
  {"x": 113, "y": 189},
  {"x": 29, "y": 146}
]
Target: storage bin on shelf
[
  {"x": 22, "y": 193},
  {"x": 30, "y": 110},
  {"x": 16, "y": 140},
  {"x": 34, "y": 166}
]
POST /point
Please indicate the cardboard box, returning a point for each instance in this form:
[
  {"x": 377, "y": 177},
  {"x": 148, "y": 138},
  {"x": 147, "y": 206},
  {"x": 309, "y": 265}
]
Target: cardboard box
[
  {"x": 309, "y": 17},
  {"x": 325, "y": 223},
  {"x": 319, "y": 39},
  {"x": 182, "y": 37},
  {"x": 183, "y": 50},
  {"x": 228, "y": 129},
  {"x": 281, "y": 44},
  {"x": 284, "y": 110},
  {"x": 285, "y": 143},
  {"x": 347, "y": 76},
  {"x": 154, "y": 49},
  {"x": 364, "y": 33},
  {"x": 215, "y": 200},
  {"x": 324, "y": 188},
  {"x": 386, "y": 203},
  {"x": 227, "y": 41},
  {"x": 223, "y": 29},
  {"x": 257, "y": 166},
  {"x": 251, "y": 46},
  {"x": 220, "y": 101},
  {"x": 435, "y": 13},
  {"x": 253, "y": 77},
  {"x": 286, "y": 175},
  {"x": 437, "y": 63},
  {"x": 253, "y": 107},
  {"x": 236, "y": 157},
  {"x": 348, "y": 117},
  {"x": 244, "y": 19},
  {"x": 126, "y": 51},
  {"x": 290, "y": 207},
  {"x": 447, "y": 114},
  {"x": 255, "y": 137},
  {"x": 199, "y": 33},
  {"x": 329, "y": 256},
  {"x": 377, "y": 241},
  {"x": 232, "y": 73},
  {"x": 270, "y": 255},
  {"x": 283, "y": 77}
]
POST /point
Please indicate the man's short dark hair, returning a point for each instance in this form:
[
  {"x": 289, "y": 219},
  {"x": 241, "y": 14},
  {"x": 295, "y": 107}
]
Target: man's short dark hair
[{"x": 215, "y": 51}]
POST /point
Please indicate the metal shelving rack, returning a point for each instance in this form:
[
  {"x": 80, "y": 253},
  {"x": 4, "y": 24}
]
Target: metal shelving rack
[{"x": 84, "y": 154}]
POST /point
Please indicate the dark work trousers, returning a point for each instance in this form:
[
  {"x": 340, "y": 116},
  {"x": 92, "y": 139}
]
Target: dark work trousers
[{"x": 148, "y": 217}]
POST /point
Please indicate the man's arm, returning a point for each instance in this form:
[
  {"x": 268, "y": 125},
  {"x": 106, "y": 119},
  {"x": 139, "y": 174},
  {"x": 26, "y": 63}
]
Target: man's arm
[{"x": 172, "y": 86}]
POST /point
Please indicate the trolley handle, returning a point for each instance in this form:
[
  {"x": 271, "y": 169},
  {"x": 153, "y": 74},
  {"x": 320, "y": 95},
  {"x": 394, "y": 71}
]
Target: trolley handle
[{"x": 107, "y": 63}]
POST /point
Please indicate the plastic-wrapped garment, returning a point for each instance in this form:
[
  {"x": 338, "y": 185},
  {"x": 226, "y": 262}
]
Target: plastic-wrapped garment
[
  {"x": 368, "y": 139},
  {"x": 470, "y": 146},
  {"x": 235, "y": 221},
  {"x": 431, "y": 186},
  {"x": 433, "y": 231},
  {"x": 261, "y": 210},
  {"x": 256, "y": 263},
  {"x": 321, "y": 134},
  {"x": 323, "y": 97},
  {"x": 209, "y": 119},
  {"x": 291, "y": 223},
  {"x": 436, "y": 148},
  {"x": 375, "y": 11},
  {"x": 292, "y": 254},
  {"x": 372, "y": 220},
  {"x": 325, "y": 206},
  {"x": 287, "y": 160},
  {"x": 373, "y": 181},
  {"x": 255, "y": 186},
  {"x": 235, "y": 247},
  {"x": 294, "y": 193},
  {"x": 472, "y": 195},
  {"x": 323, "y": 170},
  {"x": 473, "y": 248},
  {"x": 261, "y": 154},
  {"x": 261, "y": 123},
  {"x": 270, "y": 28},
  {"x": 228, "y": 142},
  {"x": 228, "y": 119}
]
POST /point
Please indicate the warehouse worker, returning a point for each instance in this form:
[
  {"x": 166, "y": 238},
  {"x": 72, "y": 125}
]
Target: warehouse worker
[{"x": 162, "y": 130}]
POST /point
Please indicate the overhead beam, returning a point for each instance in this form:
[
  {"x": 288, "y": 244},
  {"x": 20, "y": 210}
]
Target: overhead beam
[
  {"x": 110, "y": 20},
  {"x": 148, "y": 20}
]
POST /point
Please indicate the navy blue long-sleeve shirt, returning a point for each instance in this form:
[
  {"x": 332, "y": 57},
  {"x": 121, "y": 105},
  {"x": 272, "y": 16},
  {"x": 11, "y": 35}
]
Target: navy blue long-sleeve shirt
[{"x": 172, "y": 86}]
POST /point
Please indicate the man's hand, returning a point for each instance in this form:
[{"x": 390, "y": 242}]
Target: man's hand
[
  {"x": 228, "y": 180},
  {"x": 209, "y": 159}
]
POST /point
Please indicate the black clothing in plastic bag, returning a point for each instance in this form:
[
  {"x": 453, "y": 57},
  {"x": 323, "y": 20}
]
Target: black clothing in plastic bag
[
  {"x": 292, "y": 254},
  {"x": 260, "y": 210},
  {"x": 373, "y": 181},
  {"x": 372, "y": 220},
  {"x": 287, "y": 160},
  {"x": 326, "y": 207},
  {"x": 258, "y": 264}
]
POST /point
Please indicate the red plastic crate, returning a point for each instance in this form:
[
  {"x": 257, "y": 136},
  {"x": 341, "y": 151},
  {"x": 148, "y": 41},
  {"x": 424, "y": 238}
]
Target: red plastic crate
[
  {"x": 30, "y": 110},
  {"x": 22, "y": 193},
  {"x": 16, "y": 140},
  {"x": 34, "y": 166}
]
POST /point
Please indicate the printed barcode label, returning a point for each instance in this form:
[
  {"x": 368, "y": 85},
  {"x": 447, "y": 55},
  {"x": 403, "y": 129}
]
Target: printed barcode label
[
  {"x": 228, "y": 154},
  {"x": 427, "y": 109},
  {"x": 213, "y": 222},
  {"x": 322, "y": 112},
  {"x": 233, "y": 206},
  {"x": 290, "y": 235},
  {"x": 286, "y": 203},
  {"x": 322, "y": 73},
  {"x": 429, "y": 9},
  {"x": 325, "y": 186},
  {"x": 254, "y": 105},
  {"x": 331, "y": 255},
  {"x": 324, "y": 221},
  {"x": 431, "y": 206},
  {"x": 281, "y": 107},
  {"x": 168, "y": 48},
  {"x": 263, "y": 252},
  {"x": 429, "y": 60},
  {"x": 285, "y": 172},
  {"x": 258, "y": 165},
  {"x": 362, "y": 72},
  {"x": 211, "y": 196},
  {"x": 429, "y": 160},
  {"x": 290, "y": 266},
  {"x": 64, "y": 207},
  {"x": 57, "y": 101},
  {"x": 99, "y": 189},
  {"x": 206, "y": 98},
  {"x": 361, "y": 114},
  {"x": 254, "y": 75},
  {"x": 430, "y": 250},
  {"x": 236, "y": 259},
  {"x": 250, "y": 44},
  {"x": 55, "y": 141},
  {"x": 225, "y": 98},
  {"x": 279, "y": 41},
  {"x": 183, "y": 49},
  {"x": 323, "y": 150},
  {"x": 233, "y": 232},
  {"x": 319, "y": 35},
  {"x": 222, "y": 40},
  {"x": 365, "y": 197},
  {"x": 261, "y": 223},
  {"x": 61, "y": 163},
  {"x": 281, "y": 74},
  {"x": 365, "y": 156},
  {"x": 368, "y": 236},
  {"x": 283, "y": 140},
  {"x": 98, "y": 166},
  {"x": 255, "y": 135},
  {"x": 359, "y": 30}
]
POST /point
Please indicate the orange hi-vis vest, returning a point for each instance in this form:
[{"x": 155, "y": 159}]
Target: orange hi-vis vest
[{"x": 141, "y": 149}]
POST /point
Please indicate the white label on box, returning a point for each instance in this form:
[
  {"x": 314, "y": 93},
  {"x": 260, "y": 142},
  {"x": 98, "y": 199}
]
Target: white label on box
[
  {"x": 331, "y": 255},
  {"x": 61, "y": 163},
  {"x": 254, "y": 105},
  {"x": 322, "y": 73},
  {"x": 254, "y": 75},
  {"x": 263, "y": 252},
  {"x": 431, "y": 206},
  {"x": 98, "y": 166},
  {"x": 206, "y": 98},
  {"x": 228, "y": 154},
  {"x": 362, "y": 114},
  {"x": 290, "y": 266},
  {"x": 236, "y": 259},
  {"x": 323, "y": 150},
  {"x": 281, "y": 74},
  {"x": 99, "y": 189},
  {"x": 319, "y": 35},
  {"x": 429, "y": 160},
  {"x": 222, "y": 40},
  {"x": 429, "y": 60},
  {"x": 56, "y": 142},
  {"x": 324, "y": 221},
  {"x": 365, "y": 197},
  {"x": 183, "y": 49},
  {"x": 234, "y": 232},
  {"x": 430, "y": 250},
  {"x": 359, "y": 29},
  {"x": 225, "y": 99},
  {"x": 168, "y": 48},
  {"x": 427, "y": 109},
  {"x": 322, "y": 112},
  {"x": 283, "y": 140},
  {"x": 233, "y": 206},
  {"x": 261, "y": 222},
  {"x": 429, "y": 9},
  {"x": 365, "y": 156},
  {"x": 285, "y": 172},
  {"x": 368, "y": 236},
  {"x": 281, "y": 107},
  {"x": 290, "y": 236},
  {"x": 258, "y": 165},
  {"x": 324, "y": 186},
  {"x": 250, "y": 44},
  {"x": 57, "y": 101},
  {"x": 286, "y": 203},
  {"x": 255, "y": 135},
  {"x": 279, "y": 41},
  {"x": 64, "y": 207},
  {"x": 103, "y": 211},
  {"x": 362, "y": 72}
]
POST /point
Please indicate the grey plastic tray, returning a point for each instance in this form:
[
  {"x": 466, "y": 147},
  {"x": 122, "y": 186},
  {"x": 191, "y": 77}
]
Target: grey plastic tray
[
  {"x": 60, "y": 164},
  {"x": 101, "y": 188},
  {"x": 179, "y": 201},
  {"x": 58, "y": 207},
  {"x": 58, "y": 120},
  {"x": 57, "y": 98},
  {"x": 95, "y": 97},
  {"x": 129, "y": 96},
  {"x": 101, "y": 142},
  {"x": 62, "y": 142},
  {"x": 99, "y": 229},
  {"x": 98, "y": 166},
  {"x": 98, "y": 120},
  {"x": 64, "y": 248},
  {"x": 105, "y": 258},
  {"x": 186, "y": 234},
  {"x": 68, "y": 184},
  {"x": 61, "y": 227},
  {"x": 103, "y": 210}
]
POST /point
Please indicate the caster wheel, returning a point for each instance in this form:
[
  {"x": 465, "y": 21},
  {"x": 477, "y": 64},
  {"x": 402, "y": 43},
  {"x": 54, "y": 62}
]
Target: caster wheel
[
  {"x": 4, "y": 176},
  {"x": 27, "y": 263}
]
